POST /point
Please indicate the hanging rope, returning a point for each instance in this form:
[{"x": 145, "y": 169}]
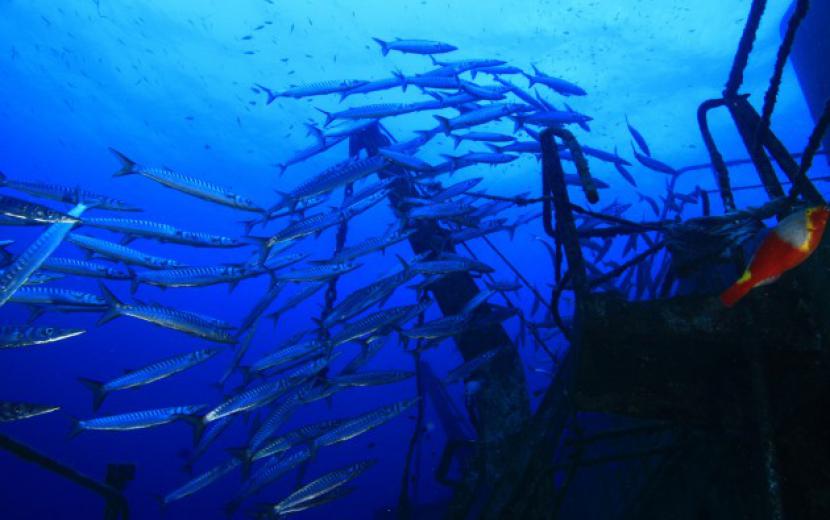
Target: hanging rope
[
  {"x": 718, "y": 164},
  {"x": 810, "y": 152},
  {"x": 736, "y": 75},
  {"x": 801, "y": 8}
]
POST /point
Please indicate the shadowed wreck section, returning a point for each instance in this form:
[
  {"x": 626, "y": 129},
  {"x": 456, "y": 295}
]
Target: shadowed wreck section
[{"x": 502, "y": 407}]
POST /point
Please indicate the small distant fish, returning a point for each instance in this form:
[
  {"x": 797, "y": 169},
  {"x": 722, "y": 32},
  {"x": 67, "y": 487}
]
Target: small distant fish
[
  {"x": 16, "y": 411},
  {"x": 653, "y": 164},
  {"x": 789, "y": 244},
  {"x": 470, "y": 367},
  {"x": 414, "y": 46},
  {"x": 638, "y": 138},
  {"x": 15, "y": 336}
]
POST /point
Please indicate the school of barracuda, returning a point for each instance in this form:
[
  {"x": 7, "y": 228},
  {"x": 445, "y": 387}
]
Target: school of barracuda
[{"x": 297, "y": 371}]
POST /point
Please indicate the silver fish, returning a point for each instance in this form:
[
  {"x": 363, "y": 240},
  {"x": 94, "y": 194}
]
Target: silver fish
[
  {"x": 146, "y": 375},
  {"x": 351, "y": 428},
  {"x": 84, "y": 268},
  {"x": 140, "y": 419},
  {"x": 33, "y": 257},
  {"x": 15, "y": 411},
  {"x": 414, "y": 46},
  {"x": 161, "y": 232},
  {"x": 321, "y": 486},
  {"x": 119, "y": 252},
  {"x": 185, "y": 184},
  {"x": 70, "y": 195},
  {"x": 13, "y": 207},
  {"x": 15, "y": 336},
  {"x": 201, "y": 481},
  {"x": 166, "y": 317}
]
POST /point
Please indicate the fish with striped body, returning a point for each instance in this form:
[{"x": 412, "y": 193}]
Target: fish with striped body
[
  {"x": 321, "y": 486},
  {"x": 313, "y": 89},
  {"x": 166, "y": 317},
  {"x": 266, "y": 474},
  {"x": 119, "y": 252},
  {"x": 69, "y": 195},
  {"x": 30, "y": 260},
  {"x": 133, "y": 228},
  {"x": 351, "y": 428},
  {"x": 200, "y": 276},
  {"x": 146, "y": 375},
  {"x": 140, "y": 419},
  {"x": 482, "y": 115},
  {"x": 317, "y": 273},
  {"x": 15, "y": 336},
  {"x": 374, "y": 378},
  {"x": 84, "y": 268},
  {"x": 16, "y": 411},
  {"x": 201, "y": 481},
  {"x": 338, "y": 175},
  {"x": 15, "y": 208},
  {"x": 185, "y": 184},
  {"x": 59, "y": 299}
]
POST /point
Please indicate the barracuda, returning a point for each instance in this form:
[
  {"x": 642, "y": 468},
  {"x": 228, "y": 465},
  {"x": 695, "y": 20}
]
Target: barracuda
[
  {"x": 166, "y": 317},
  {"x": 119, "y": 252},
  {"x": 14, "y": 336},
  {"x": 71, "y": 195},
  {"x": 162, "y": 232},
  {"x": 185, "y": 184},
  {"x": 146, "y": 375},
  {"x": 33, "y": 257}
]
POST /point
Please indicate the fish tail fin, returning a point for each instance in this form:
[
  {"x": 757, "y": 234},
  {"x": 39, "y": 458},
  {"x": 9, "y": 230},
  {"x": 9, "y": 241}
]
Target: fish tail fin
[
  {"x": 456, "y": 139},
  {"x": 518, "y": 124},
  {"x": 244, "y": 456},
  {"x": 384, "y": 47},
  {"x": 270, "y": 93},
  {"x": 161, "y": 503},
  {"x": 511, "y": 230},
  {"x": 76, "y": 428},
  {"x": 329, "y": 116},
  {"x": 127, "y": 164},
  {"x": 113, "y": 305},
  {"x": 445, "y": 124},
  {"x": 738, "y": 290},
  {"x": 496, "y": 148},
  {"x": 402, "y": 78},
  {"x": 530, "y": 80},
  {"x": 433, "y": 60},
  {"x": 316, "y": 132},
  {"x": 198, "y": 425},
  {"x": 97, "y": 389}
]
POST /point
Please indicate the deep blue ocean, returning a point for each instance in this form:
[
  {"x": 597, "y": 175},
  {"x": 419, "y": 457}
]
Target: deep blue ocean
[{"x": 173, "y": 83}]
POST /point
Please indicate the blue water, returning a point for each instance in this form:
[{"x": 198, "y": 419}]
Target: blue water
[{"x": 168, "y": 83}]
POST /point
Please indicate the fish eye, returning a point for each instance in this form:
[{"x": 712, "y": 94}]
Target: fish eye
[{"x": 50, "y": 331}]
